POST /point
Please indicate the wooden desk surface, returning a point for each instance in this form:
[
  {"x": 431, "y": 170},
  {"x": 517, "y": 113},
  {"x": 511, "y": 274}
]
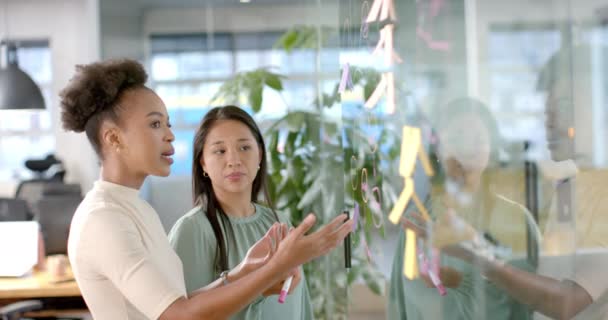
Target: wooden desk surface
[{"x": 38, "y": 284}]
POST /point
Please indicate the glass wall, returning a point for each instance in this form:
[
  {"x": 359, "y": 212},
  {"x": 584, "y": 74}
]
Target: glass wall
[
  {"x": 468, "y": 139},
  {"x": 480, "y": 154}
]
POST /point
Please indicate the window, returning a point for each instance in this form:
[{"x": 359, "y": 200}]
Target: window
[
  {"x": 516, "y": 56},
  {"x": 28, "y": 134},
  {"x": 187, "y": 70}
]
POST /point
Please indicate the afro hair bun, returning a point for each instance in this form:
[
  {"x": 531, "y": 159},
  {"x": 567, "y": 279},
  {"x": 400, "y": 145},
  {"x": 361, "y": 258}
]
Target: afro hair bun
[{"x": 97, "y": 87}]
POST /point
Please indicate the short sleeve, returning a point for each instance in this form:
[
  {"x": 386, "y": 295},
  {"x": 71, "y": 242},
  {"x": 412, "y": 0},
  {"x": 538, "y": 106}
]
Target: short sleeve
[
  {"x": 194, "y": 242},
  {"x": 113, "y": 245}
]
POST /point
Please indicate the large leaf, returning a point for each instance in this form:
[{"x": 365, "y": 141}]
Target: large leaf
[
  {"x": 288, "y": 40},
  {"x": 373, "y": 282},
  {"x": 255, "y": 98},
  {"x": 273, "y": 80}
]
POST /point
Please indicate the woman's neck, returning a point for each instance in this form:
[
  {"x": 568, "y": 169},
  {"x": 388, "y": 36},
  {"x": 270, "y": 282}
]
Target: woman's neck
[
  {"x": 236, "y": 205},
  {"x": 114, "y": 172}
]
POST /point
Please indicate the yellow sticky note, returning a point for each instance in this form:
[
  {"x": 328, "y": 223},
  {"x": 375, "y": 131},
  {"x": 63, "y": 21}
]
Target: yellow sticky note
[
  {"x": 410, "y": 144},
  {"x": 410, "y": 265},
  {"x": 402, "y": 201}
]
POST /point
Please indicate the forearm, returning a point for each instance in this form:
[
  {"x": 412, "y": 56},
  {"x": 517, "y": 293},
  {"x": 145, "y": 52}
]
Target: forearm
[
  {"x": 554, "y": 298},
  {"x": 233, "y": 276},
  {"x": 217, "y": 301}
]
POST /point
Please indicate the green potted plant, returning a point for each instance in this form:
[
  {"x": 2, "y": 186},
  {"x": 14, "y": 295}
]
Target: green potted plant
[{"x": 310, "y": 170}]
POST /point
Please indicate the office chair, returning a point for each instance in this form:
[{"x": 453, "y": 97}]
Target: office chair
[
  {"x": 49, "y": 168},
  {"x": 14, "y": 311},
  {"x": 14, "y": 210},
  {"x": 54, "y": 212},
  {"x": 31, "y": 192}
]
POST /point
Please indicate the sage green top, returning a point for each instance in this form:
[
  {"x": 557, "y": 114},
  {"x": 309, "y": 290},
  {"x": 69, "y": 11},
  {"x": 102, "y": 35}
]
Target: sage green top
[
  {"x": 475, "y": 297},
  {"x": 194, "y": 242}
]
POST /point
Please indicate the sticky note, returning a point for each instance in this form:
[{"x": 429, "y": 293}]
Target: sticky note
[{"x": 410, "y": 265}]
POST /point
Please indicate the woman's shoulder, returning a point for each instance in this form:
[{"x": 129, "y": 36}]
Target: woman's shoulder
[{"x": 194, "y": 220}]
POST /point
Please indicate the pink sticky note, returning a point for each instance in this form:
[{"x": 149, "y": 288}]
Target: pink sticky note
[
  {"x": 427, "y": 37},
  {"x": 435, "y": 7},
  {"x": 437, "y": 282},
  {"x": 435, "y": 261},
  {"x": 422, "y": 263}
]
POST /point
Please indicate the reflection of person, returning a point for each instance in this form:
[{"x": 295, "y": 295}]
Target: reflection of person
[
  {"x": 468, "y": 142},
  {"x": 122, "y": 260},
  {"x": 229, "y": 173},
  {"x": 575, "y": 241},
  {"x": 570, "y": 282}
]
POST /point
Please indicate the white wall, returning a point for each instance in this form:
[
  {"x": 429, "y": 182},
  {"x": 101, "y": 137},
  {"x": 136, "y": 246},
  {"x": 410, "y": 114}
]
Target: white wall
[{"x": 71, "y": 28}]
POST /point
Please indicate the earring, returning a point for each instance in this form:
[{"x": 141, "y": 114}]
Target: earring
[
  {"x": 205, "y": 174},
  {"x": 258, "y": 167}
]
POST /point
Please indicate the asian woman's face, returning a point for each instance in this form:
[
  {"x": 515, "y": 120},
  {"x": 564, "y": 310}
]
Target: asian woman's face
[
  {"x": 231, "y": 157},
  {"x": 145, "y": 134}
]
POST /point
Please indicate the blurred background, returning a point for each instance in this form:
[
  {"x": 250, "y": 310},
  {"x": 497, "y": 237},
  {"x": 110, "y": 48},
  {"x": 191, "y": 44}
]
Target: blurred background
[{"x": 316, "y": 76}]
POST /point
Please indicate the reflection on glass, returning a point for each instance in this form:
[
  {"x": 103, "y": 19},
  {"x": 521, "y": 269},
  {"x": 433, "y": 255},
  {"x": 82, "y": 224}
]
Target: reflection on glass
[{"x": 511, "y": 100}]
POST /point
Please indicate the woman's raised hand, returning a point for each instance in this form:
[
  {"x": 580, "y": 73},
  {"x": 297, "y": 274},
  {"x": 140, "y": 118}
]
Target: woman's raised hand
[
  {"x": 261, "y": 252},
  {"x": 298, "y": 248}
]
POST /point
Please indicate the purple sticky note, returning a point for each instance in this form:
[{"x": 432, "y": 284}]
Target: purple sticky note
[{"x": 346, "y": 82}]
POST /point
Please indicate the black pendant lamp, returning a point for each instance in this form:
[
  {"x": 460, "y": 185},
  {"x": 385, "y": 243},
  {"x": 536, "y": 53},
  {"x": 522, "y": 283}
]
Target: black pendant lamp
[{"x": 17, "y": 90}]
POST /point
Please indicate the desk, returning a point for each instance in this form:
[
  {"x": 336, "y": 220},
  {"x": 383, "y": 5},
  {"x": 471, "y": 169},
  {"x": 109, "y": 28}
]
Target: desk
[
  {"x": 37, "y": 285},
  {"x": 65, "y": 295}
]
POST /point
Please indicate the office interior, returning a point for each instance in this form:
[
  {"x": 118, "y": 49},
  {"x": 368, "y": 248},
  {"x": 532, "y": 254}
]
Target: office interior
[{"x": 337, "y": 123}]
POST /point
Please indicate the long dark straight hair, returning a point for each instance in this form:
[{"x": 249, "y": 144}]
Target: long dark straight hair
[{"x": 202, "y": 188}]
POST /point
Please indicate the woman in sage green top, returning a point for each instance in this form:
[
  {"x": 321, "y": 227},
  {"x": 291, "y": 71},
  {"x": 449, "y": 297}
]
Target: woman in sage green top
[
  {"x": 229, "y": 173},
  {"x": 193, "y": 239}
]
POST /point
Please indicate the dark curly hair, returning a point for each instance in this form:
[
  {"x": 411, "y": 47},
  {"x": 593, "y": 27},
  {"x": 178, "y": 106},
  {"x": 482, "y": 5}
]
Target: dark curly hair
[{"x": 93, "y": 94}]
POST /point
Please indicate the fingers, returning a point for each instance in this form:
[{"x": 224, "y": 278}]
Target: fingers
[
  {"x": 271, "y": 239},
  {"x": 331, "y": 235},
  {"x": 306, "y": 224},
  {"x": 330, "y": 227},
  {"x": 419, "y": 219},
  {"x": 295, "y": 271},
  {"x": 338, "y": 235},
  {"x": 297, "y": 276},
  {"x": 407, "y": 224},
  {"x": 284, "y": 231}
]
